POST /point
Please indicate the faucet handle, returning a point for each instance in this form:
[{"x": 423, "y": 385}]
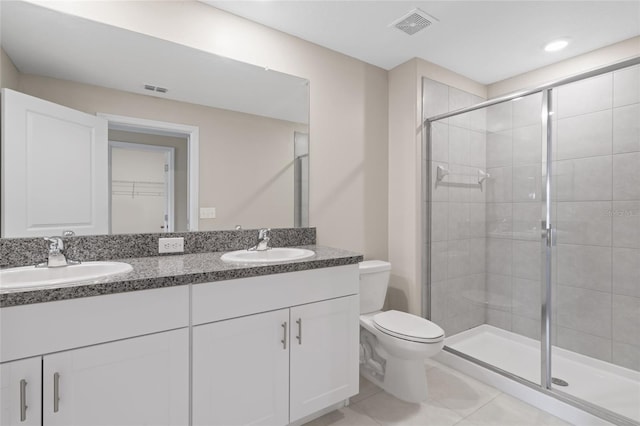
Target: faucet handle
[
  {"x": 56, "y": 244},
  {"x": 264, "y": 233}
]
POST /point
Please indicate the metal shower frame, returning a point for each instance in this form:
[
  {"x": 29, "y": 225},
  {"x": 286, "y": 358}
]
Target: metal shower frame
[{"x": 547, "y": 237}]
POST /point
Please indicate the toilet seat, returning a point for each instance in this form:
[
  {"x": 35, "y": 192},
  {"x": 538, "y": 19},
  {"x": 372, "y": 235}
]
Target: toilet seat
[{"x": 408, "y": 327}]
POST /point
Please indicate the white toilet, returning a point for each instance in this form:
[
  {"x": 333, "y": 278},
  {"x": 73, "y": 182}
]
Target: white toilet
[{"x": 393, "y": 344}]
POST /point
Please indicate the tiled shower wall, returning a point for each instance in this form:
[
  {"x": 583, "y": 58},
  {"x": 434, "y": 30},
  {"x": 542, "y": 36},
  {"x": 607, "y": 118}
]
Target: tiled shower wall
[
  {"x": 514, "y": 209},
  {"x": 597, "y": 181},
  {"x": 458, "y": 210},
  {"x": 485, "y": 245}
]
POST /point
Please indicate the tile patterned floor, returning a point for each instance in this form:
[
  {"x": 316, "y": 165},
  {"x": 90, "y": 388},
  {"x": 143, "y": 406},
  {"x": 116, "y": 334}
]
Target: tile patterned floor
[{"x": 454, "y": 399}]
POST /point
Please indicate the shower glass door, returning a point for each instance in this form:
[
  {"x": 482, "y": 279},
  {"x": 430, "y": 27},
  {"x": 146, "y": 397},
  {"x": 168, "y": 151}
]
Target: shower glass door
[
  {"x": 596, "y": 199},
  {"x": 533, "y": 236},
  {"x": 486, "y": 175}
]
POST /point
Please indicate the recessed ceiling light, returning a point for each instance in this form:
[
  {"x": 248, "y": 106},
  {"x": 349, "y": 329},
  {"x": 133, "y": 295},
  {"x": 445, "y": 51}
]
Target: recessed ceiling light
[{"x": 556, "y": 45}]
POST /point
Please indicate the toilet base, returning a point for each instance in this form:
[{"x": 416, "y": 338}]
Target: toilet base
[{"x": 404, "y": 379}]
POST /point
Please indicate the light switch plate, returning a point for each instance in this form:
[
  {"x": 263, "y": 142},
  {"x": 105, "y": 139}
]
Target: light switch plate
[
  {"x": 171, "y": 245},
  {"x": 207, "y": 212}
]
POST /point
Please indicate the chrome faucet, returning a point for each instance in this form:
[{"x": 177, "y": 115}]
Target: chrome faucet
[
  {"x": 264, "y": 235},
  {"x": 56, "y": 256}
]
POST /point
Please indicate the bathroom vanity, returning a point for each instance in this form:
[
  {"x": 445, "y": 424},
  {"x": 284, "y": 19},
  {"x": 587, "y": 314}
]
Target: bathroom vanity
[{"x": 184, "y": 340}]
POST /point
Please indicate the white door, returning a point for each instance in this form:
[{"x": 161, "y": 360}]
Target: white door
[
  {"x": 142, "y": 184},
  {"x": 20, "y": 391},
  {"x": 241, "y": 371},
  {"x": 139, "y": 381},
  {"x": 54, "y": 169},
  {"x": 324, "y": 354}
]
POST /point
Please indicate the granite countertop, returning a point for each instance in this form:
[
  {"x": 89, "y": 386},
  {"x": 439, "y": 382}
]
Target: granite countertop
[{"x": 168, "y": 271}]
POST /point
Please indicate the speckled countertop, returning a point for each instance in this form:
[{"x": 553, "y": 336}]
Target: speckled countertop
[{"x": 168, "y": 271}]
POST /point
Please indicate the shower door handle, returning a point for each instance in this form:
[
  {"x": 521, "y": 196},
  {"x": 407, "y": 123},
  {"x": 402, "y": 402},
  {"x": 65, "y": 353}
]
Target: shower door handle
[{"x": 549, "y": 234}]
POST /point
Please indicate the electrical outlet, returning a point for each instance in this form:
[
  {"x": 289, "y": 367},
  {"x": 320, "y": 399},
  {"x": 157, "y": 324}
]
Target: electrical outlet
[
  {"x": 207, "y": 212},
  {"x": 171, "y": 245}
]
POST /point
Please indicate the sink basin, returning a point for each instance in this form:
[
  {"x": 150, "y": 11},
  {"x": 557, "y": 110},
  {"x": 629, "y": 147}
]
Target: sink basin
[
  {"x": 30, "y": 276},
  {"x": 276, "y": 254}
]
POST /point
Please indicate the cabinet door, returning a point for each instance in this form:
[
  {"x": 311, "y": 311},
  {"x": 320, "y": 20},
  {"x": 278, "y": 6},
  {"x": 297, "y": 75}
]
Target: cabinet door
[
  {"x": 20, "y": 389},
  {"x": 241, "y": 371},
  {"x": 138, "y": 381},
  {"x": 324, "y": 354}
]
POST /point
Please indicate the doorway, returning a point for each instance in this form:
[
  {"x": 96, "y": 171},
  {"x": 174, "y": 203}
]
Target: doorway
[
  {"x": 185, "y": 141},
  {"x": 142, "y": 179}
]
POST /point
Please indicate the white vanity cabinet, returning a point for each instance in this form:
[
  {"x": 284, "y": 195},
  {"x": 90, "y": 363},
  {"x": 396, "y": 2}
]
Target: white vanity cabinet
[
  {"x": 324, "y": 355},
  {"x": 271, "y": 350},
  {"x": 241, "y": 371},
  {"x": 139, "y": 381},
  {"x": 144, "y": 380},
  {"x": 289, "y": 350},
  {"x": 119, "y": 359},
  {"x": 20, "y": 392}
]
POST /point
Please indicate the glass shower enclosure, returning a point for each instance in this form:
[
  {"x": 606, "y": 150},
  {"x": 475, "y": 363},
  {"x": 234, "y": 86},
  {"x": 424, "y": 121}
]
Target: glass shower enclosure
[{"x": 532, "y": 258}]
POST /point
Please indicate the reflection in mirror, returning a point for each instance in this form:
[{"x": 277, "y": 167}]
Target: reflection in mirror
[
  {"x": 252, "y": 126},
  {"x": 147, "y": 171}
]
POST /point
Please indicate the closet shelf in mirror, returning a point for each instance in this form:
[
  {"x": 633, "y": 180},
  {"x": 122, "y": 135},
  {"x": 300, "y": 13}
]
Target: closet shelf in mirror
[{"x": 135, "y": 188}]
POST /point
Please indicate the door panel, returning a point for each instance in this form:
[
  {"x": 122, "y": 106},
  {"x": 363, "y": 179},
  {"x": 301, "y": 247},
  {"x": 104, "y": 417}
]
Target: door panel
[
  {"x": 141, "y": 188},
  {"x": 20, "y": 386},
  {"x": 139, "y": 381},
  {"x": 54, "y": 169},
  {"x": 241, "y": 371},
  {"x": 324, "y": 354}
]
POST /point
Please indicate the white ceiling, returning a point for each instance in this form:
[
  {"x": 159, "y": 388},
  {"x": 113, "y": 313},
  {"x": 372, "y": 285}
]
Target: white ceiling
[
  {"x": 43, "y": 42},
  {"x": 486, "y": 41}
]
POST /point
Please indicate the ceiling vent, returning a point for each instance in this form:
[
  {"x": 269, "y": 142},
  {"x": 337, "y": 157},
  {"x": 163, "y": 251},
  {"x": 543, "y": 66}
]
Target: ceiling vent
[
  {"x": 414, "y": 21},
  {"x": 156, "y": 88}
]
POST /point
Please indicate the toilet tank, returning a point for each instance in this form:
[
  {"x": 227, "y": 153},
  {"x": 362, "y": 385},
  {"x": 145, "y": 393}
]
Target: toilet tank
[{"x": 374, "y": 279}]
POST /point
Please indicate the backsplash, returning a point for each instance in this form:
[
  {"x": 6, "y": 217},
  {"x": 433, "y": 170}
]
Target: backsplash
[{"x": 28, "y": 251}]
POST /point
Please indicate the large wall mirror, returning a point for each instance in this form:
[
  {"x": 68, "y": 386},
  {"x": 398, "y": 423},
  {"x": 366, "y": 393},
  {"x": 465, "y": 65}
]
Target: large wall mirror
[{"x": 194, "y": 141}]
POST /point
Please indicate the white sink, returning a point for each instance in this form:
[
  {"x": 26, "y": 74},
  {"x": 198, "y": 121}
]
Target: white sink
[
  {"x": 273, "y": 255},
  {"x": 30, "y": 276}
]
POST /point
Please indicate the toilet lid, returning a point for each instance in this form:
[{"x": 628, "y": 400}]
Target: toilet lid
[{"x": 408, "y": 327}]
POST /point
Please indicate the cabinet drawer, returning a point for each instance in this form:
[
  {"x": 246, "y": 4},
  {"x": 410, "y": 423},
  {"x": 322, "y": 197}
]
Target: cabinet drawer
[
  {"x": 233, "y": 298},
  {"x": 43, "y": 328}
]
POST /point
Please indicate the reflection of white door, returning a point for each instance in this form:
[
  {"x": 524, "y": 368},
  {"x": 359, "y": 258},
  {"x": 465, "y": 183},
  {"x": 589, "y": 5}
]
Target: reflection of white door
[
  {"x": 54, "y": 169},
  {"x": 142, "y": 189}
]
